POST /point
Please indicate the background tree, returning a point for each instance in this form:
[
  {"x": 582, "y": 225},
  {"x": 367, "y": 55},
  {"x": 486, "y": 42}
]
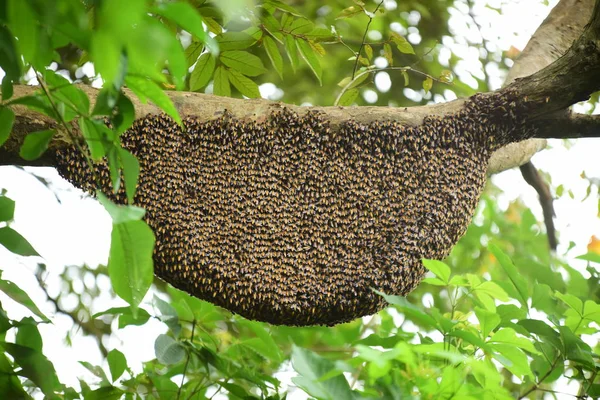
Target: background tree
[{"x": 494, "y": 331}]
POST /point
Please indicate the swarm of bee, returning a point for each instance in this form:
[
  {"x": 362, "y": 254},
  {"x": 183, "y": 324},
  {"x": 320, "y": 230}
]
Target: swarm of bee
[{"x": 292, "y": 222}]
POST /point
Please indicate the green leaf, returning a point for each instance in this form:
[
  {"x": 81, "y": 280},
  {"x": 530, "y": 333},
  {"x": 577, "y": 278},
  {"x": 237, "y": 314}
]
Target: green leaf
[
  {"x": 301, "y": 26},
  {"x": 130, "y": 261},
  {"x": 10, "y": 59},
  {"x": 410, "y": 310},
  {"x": 246, "y": 86},
  {"x": 492, "y": 289},
  {"x": 274, "y": 54},
  {"x": 143, "y": 88},
  {"x": 105, "y": 393},
  {"x": 202, "y": 72},
  {"x": 517, "y": 279},
  {"x": 125, "y": 115},
  {"x": 402, "y": 44},
  {"x": 546, "y": 333},
  {"x": 572, "y": 301},
  {"x": 131, "y": 172},
  {"x": 234, "y": 41},
  {"x": 23, "y": 23},
  {"x": 192, "y": 52},
  {"x": 347, "y": 99},
  {"x": 312, "y": 367},
  {"x": 221, "y": 82},
  {"x": 184, "y": 15},
  {"x": 126, "y": 317},
  {"x": 513, "y": 359},
  {"x": 7, "y": 118},
  {"x": 28, "y": 334},
  {"x": 167, "y": 314},
  {"x": 117, "y": 363},
  {"x": 439, "y": 269},
  {"x": 93, "y": 138},
  {"x": 10, "y": 386},
  {"x": 34, "y": 366},
  {"x": 292, "y": 51},
  {"x": 168, "y": 350},
  {"x": 7, "y": 208},
  {"x": 387, "y": 53},
  {"x": 17, "y": 294},
  {"x": 7, "y": 88},
  {"x": 35, "y": 144},
  {"x": 309, "y": 55},
  {"x": 427, "y": 84},
  {"x": 106, "y": 55},
  {"x": 488, "y": 320},
  {"x": 244, "y": 62},
  {"x": 509, "y": 336},
  {"x": 114, "y": 167},
  {"x": 16, "y": 243}
]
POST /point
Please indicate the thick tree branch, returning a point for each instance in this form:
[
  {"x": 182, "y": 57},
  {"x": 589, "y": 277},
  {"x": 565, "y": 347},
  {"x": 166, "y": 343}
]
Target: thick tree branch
[{"x": 571, "y": 78}]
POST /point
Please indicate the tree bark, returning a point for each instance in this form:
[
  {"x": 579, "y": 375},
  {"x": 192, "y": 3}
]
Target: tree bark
[{"x": 569, "y": 79}]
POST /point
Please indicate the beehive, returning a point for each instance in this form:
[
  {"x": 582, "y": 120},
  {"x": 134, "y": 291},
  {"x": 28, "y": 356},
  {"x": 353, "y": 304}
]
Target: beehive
[{"x": 291, "y": 222}]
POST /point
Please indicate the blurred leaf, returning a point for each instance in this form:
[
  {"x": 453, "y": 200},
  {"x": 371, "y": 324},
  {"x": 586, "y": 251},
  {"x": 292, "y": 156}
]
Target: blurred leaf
[
  {"x": 410, "y": 310},
  {"x": 184, "y": 15},
  {"x": 117, "y": 363},
  {"x": 130, "y": 261},
  {"x": 310, "y": 57},
  {"x": 242, "y": 61},
  {"x": 7, "y": 118},
  {"x": 10, "y": 60},
  {"x": 35, "y": 144},
  {"x": 202, "y": 72},
  {"x": 23, "y": 24},
  {"x": 167, "y": 314},
  {"x": 168, "y": 350},
  {"x": 15, "y": 243}
]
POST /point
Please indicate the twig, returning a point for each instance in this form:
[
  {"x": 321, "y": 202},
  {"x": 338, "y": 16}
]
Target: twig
[
  {"x": 362, "y": 44},
  {"x": 539, "y": 382},
  {"x": 187, "y": 361},
  {"x": 89, "y": 328}
]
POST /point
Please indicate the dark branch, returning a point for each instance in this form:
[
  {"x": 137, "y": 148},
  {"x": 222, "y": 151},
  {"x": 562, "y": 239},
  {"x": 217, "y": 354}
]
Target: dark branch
[{"x": 533, "y": 178}]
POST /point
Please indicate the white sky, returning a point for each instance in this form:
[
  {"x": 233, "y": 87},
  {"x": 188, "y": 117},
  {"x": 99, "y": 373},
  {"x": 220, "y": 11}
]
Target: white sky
[{"x": 77, "y": 230}]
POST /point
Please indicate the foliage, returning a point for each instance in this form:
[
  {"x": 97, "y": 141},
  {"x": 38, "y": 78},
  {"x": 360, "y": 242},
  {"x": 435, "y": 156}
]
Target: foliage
[{"x": 499, "y": 321}]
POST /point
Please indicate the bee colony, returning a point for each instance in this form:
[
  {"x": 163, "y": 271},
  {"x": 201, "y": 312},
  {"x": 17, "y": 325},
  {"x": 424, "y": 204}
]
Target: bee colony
[{"x": 292, "y": 222}]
